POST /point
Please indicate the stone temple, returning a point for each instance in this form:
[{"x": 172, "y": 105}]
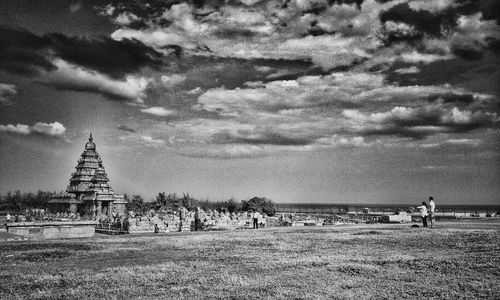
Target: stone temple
[{"x": 89, "y": 193}]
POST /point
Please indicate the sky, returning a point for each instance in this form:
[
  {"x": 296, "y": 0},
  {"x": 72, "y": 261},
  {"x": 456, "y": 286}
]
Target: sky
[{"x": 299, "y": 101}]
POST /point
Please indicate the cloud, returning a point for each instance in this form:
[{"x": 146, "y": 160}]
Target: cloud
[
  {"x": 422, "y": 20},
  {"x": 158, "y": 111},
  {"x": 126, "y": 128},
  {"x": 194, "y": 91},
  {"x": 337, "y": 140},
  {"x": 74, "y": 7},
  {"x": 418, "y": 122},
  {"x": 6, "y": 92},
  {"x": 173, "y": 79},
  {"x": 470, "y": 142},
  {"x": 265, "y": 135},
  {"x": 409, "y": 70},
  {"x": 19, "y": 129},
  {"x": 54, "y": 129},
  {"x": 453, "y": 143},
  {"x": 71, "y": 77},
  {"x": 472, "y": 36},
  {"x": 24, "y": 53},
  {"x": 434, "y": 7},
  {"x": 114, "y": 58},
  {"x": 126, "y": 18},
  {"x": 312, "y": 5},
  {"x": 144, "y": 140},
  {"x": 331, "y": 34},
  {"x": 263, "y": 69},
  {"x": 417, "y": 57},
  {"x": 150, "y": 141}
]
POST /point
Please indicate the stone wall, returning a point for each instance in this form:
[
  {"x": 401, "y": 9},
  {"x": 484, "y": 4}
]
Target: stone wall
[{"x": 53, "y": 230}]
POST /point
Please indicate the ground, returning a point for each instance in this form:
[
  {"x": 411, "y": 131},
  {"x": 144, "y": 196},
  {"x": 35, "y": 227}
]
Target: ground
[{"x": 376, "y": 261}]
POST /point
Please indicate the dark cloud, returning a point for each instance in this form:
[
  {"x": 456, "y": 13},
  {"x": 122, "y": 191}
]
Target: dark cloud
[
  {"x": 24, "y": 53},
  {"x": 260, "y": 137},
  {"x": 465, "y": 99},
  {"x": 125, "y": 128},
  {"x": 422, "y": 20},
  {"x": 420, "y": 122},
  {"x": 114, "y": 58},
  {"x": 490, "y": 9},
  {"x": 467, "y": 49}
]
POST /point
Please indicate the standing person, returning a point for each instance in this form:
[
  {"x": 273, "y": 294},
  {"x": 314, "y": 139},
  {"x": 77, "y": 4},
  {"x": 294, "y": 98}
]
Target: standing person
[
  {"x": 8, "y": 218},
  {"x": 255, "y": 217},
  {"x": 423, "y": 213},
  {"x": 432, "y": 209}
]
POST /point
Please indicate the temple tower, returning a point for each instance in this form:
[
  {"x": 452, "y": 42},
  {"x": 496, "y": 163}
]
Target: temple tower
[{"x": 89, "y": 192}]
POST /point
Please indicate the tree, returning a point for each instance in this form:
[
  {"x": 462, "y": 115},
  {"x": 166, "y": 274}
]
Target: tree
[
  {"x": 136, "y": 204},
  {"x": 261, "y": 205}
]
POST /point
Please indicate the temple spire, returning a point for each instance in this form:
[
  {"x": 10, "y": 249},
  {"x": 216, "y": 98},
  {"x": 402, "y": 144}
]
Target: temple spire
[{"x": 90, "y": 138}]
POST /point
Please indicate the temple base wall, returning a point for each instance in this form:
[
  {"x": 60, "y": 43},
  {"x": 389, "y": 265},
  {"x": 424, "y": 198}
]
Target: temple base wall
[{"x": 53, "y": 230}]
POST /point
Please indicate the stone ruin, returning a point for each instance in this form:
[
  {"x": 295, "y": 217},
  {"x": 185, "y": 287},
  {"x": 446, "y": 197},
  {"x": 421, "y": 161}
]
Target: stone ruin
[{"x": 199, "y": 220}]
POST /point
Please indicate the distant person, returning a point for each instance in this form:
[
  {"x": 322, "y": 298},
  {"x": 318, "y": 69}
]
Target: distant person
[
  {"x": 16, "y": 218},
  {"x": 423, "y": 213},
  {"x": 157, "y": 229},
  {"x": 9, "y": 217},
  {"x": 255, "y": 216},
  {"x": 432, "y": 210}
]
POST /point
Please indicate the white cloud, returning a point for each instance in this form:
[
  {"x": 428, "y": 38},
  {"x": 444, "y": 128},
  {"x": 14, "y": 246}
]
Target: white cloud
[
  {"x": 337, "y": 140},
  {"x": 6, "y": 92},
  {"x": 409, "y": 70},
  {"x": 126, "y": 18},
  {"x": 54, "y": 129},
  {"x": 417, "y": 57},
  {"x": 433, "y": 6},
  {"x": 263, "y": 69},
  {"x": 19, "y": 129},
  {"x": 71, "y": 77},
  {"x": 151, "y": 141},
  {"x": 194, "y": 91},
  {"x": 158, "y": 111},
  {"x": 453, "y": 142},
  {"x": 469, "y": 142},
  {"x": 144, "y": 140},
  {"x": 173, "y": 79},
  {"x": 306, "y": 5}
]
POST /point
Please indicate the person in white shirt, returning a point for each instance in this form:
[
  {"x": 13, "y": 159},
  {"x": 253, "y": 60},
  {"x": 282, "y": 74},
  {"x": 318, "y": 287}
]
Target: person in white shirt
[
  {"x": 423, "y": 213},
  {"x": 432, "y": 209}
]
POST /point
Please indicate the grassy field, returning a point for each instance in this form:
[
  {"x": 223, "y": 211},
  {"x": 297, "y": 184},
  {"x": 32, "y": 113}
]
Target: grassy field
[{"x": 456, "y": 260}]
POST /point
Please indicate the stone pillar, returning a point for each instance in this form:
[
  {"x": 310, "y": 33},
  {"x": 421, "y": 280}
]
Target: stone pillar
[
  {"x": 110, "y": 209},
  {"x": 197, "y": 219},
  {"x": 99, "y": 207}
]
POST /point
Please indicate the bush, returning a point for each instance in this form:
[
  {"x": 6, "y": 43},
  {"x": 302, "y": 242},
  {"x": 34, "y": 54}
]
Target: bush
[{"x": 261, "y": 205}]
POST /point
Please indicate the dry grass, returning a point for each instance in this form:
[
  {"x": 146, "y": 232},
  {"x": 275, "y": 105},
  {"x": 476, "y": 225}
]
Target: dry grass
[{"x": 457, "y": 260}]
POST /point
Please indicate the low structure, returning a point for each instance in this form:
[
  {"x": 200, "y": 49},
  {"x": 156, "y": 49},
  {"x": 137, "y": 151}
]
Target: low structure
[
  {"x": 53, "y": 230},
  {"x": 398, "y": 217},
  {"x": 89, "y": 193}
]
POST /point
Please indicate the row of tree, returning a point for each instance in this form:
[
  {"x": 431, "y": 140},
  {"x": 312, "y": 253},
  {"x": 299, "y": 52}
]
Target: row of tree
[
  {"x": 17, "y": 202},
  {"x": 172, "y": 202}
]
